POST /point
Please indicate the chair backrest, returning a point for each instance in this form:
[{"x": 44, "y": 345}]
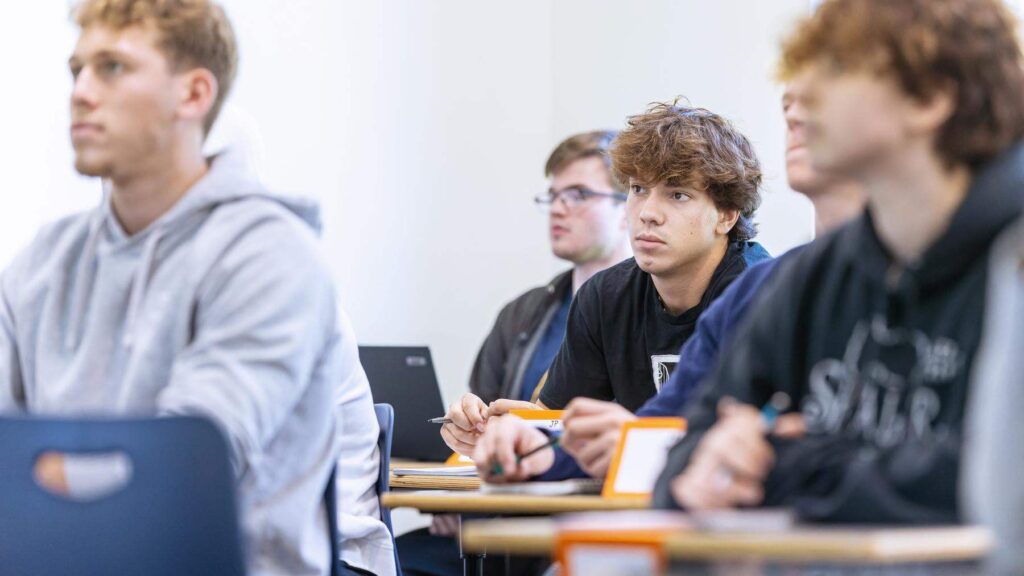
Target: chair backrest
[
  {"x": 176, "y": 515},
  {"x": 331, "y": 501},
  {"x": 386, "y": 421}
]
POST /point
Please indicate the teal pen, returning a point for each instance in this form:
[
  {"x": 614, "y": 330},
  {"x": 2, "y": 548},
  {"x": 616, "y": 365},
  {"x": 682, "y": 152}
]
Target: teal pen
[
  {"x": 497, "y": 470},
  {"x": 770, "y": 412}
]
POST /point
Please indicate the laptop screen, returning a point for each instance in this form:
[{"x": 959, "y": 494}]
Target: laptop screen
[{"x": 404, "y": 377}]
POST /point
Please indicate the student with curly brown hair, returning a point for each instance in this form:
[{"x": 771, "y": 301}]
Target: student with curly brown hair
[
  {"x": 694, "y": 184},
  {"x": 872, "y": 332}
]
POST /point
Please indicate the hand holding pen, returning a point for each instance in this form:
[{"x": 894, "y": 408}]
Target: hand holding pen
[
  {"x": 729, "y": 466},
  {"x": 463, "y": 423},
  {"x": 510, "y": 450}
]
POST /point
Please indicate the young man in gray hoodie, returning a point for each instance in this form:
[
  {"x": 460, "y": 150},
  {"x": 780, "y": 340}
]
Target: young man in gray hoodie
[{"x": 190, "y": 289}]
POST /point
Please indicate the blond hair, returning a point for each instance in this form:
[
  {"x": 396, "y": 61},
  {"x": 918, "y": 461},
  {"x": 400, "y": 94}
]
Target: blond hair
[{"x": 193, "y": 34}]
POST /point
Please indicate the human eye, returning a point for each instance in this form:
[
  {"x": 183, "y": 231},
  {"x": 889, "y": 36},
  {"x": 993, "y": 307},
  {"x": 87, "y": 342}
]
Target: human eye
[
  {"x": 637, "y": 190},
  {"x": 111, "y": 67},
  {"x": 680, "y": 196},
  {"x": 575, "y": 194}
]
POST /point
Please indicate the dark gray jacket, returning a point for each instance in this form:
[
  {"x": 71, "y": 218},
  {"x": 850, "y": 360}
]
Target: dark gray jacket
[{"x": 505, "y": 354}]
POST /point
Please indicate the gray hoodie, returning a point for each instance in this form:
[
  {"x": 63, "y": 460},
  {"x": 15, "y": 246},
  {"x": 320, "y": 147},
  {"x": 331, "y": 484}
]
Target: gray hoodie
[
  {"x": 992, "y": 465},
  {"x": 222, "y": 307}
]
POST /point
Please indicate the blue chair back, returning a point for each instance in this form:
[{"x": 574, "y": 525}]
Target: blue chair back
[
  {"x": 177, "y": 514},
  {"x": 386, "y": 421},
  {"x": 331, "y": 498}
]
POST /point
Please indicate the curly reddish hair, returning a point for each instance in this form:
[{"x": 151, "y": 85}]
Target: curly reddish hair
[
  {"x": 684, "y": 146},
  {"x": 927, "y": 46}
]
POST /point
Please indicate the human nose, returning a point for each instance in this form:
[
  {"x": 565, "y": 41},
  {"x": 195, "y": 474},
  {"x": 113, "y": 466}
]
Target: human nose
[
  {"x": 83, "y": 92},
  {"x": 796, "y": 116},
  {"x": 651, "y": 210},
  {"x": 559, "y": 205}
]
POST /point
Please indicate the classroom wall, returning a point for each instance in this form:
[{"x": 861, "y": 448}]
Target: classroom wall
[{"x": 422, "y": 127}]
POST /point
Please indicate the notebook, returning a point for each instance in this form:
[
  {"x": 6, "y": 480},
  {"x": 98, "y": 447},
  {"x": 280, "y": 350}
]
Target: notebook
[{"x": 449, "y": 471}]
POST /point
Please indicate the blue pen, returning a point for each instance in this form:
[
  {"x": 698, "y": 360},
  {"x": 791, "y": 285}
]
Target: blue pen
[{"x": 770, "y": 412}]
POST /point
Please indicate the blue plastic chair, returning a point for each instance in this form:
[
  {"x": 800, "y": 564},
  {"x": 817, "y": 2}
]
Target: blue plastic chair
[
  {"x": 331, "y": 497},
  {"x": 386, "y": 421},
  {"x": 176, "y": 515}
]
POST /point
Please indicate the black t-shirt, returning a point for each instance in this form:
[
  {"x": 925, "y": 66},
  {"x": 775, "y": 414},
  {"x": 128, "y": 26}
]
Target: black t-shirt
[{"x": 620, "y": 343}]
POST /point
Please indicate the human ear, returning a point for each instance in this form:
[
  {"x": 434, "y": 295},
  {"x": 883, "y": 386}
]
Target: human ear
[
  {"x": 197, "y": 93},
  {"x": 928, "y": 116},
  {"x": 726, "y": 220}
]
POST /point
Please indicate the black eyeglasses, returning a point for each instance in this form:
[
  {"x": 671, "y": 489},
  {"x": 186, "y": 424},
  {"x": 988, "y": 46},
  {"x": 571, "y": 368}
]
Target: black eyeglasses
[{"x": 574, "y": 196}]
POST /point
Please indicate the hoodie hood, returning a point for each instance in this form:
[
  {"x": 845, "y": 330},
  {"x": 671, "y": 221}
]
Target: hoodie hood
[
  {"x": 227, "y": 180},
  {"x": 993, "y": 201}
]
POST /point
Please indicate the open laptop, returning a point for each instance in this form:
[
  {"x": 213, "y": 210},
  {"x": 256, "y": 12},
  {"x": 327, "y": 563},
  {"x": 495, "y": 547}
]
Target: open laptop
[{"x": 404, "y": 377}]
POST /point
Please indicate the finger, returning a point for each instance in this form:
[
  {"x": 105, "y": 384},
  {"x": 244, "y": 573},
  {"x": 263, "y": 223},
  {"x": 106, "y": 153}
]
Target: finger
[
  {"x": 529, "y": 439},
  {"x": 745, "y": 493},
  {"x": 572, "y": 440},
  {"x": 593, "y": 425},
  {"x": 732, "y": 408},
  {"x": 709, "y": 487},
  {"x": 729, "y": 490},
  {"x": 597, "y": 462},
  {"x": 504, "y": 406},
  {"x": 594, "y": 451},
  {"x": 725, "y": 405},
  {"x": 751, "y": 458},
  {"x": 471, "y": 406},
  {"x": 739, "y": 439},
  {"x": 587, "y": 428},
  {"x": 693, "y": 493},
  {"x": 505, "y": 453},
  {"x": 599, "y": 469},
  {"x": 464, "y": 448},
  {"x": 682, "y": 493},
  {"x": 790, "y": 426},
  {"x": 497, "y": 408},
  {"x": 498, "y": 452},
  {"x": 470, "y": 438},
  {"x": 483, "y": 455},
  {"x": 581, "y": 406},
  {"x": 458, "y": 417}
]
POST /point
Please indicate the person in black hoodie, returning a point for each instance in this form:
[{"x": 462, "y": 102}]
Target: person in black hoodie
[
  {"x": 694, "y": 184},
  {"x": 870, "y": 333}
]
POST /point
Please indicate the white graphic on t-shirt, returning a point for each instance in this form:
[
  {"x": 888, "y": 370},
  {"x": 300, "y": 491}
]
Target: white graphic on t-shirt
[
  {"x": 661, "y": 368},
  {"x": 884, "y": 388}
]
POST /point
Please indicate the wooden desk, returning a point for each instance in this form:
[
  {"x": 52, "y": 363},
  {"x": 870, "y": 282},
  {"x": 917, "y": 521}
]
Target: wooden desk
[
  {"x": 886, "y": 545},
  {"x": 429, "y": 482},
  {"x": 803, "y": 544},
  {"x": 477, "y": 503},
  {"x": 516, "y": 536}
]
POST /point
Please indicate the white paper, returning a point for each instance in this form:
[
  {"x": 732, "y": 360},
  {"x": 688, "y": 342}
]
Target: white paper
[
  {"x": 643, "y": 458},
  {"x": 452, "y": 471},
  {"x": 601, "y": 560},
  {"x": 546, "y": 424}
]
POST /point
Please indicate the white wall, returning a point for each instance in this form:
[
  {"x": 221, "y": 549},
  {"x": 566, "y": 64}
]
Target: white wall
[
  {"x": 613, "y": 58},
  {"x": 423, "y": 126}
]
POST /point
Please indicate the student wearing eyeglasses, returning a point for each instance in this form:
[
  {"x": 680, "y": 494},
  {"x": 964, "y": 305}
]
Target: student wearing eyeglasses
[
  {"x": 694, "y": 184},
  {"x": 587, "y": 227}
]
